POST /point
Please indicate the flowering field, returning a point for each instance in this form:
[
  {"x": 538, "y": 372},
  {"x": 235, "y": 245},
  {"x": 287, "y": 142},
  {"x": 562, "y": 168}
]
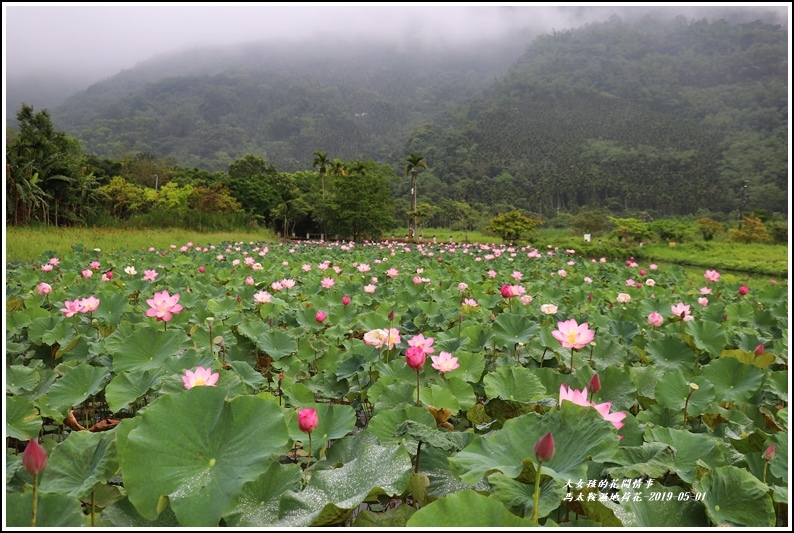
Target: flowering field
[{"x": 384, "y": 384}]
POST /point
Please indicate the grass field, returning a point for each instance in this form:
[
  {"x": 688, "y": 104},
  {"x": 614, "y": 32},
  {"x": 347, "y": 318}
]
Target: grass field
[{"x": 27, "y": 244}]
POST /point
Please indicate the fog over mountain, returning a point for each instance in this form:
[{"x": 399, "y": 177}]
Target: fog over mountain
[{"x": 53, "y": 51}]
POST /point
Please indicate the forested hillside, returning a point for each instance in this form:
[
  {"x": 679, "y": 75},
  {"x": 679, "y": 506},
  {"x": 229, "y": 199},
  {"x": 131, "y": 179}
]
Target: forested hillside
[{"x": 663, "y": 117}]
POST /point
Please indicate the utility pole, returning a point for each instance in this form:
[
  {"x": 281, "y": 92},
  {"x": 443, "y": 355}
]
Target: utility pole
[
  {"x": 156, "y": 182},
  {"x": 742, "y": 199}
]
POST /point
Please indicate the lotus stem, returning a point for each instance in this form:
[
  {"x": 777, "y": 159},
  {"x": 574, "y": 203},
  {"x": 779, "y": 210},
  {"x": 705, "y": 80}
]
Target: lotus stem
[
  {"x": 35, "y": 499},
  {"x": 537, "y": 494}
]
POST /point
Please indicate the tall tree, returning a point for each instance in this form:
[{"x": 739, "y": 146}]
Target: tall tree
[
  {"x": 322, "y": 163},
  {"x": 415, "y": 164}
]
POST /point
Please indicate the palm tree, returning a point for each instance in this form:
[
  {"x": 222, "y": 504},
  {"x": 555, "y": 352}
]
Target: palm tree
[
  {"x": 415, "y": 163},
  {"x": 322, "y": 163}
]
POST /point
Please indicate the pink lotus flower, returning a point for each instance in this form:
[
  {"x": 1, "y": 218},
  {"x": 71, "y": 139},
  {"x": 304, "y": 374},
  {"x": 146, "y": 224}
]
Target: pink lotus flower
[
  {"x": 526, "y": 299},
  {"x": 72, "y": 308},
  {"x": 655, "y": 319},
  {"x": 588, "y": 280},
  {"x": 89, "y": 305},
  {"x": 616, "y": 418},
  {"x": 276, "y": 286},
  {"x": 87, "y": 273},
  {"x": 202, "y": 377},
  {"x": 680, "y": 310},
  {"x": 130, "y": 270},
  {"x": 444, "y": 362},
  {"x": 462, "y": 287},
  {"x": 364, "y": 267},
  {"x": 287, "y": 283},
  {"x": 544, "y": 448},
  {"x": 594, "y": 385},
  {"x": 562, "y": 273},
  {"x": 744, "y": 289},
  {"x": 573, "y": 335},
  {"x": 415, "y": 357},
  {"x": 150, "y": 275},
  {"x": 516, "y": 275},
  {"x": 705, "y": 290},
  {"x": 55, "y": 261},
  {"x": 703, "y": 301},
  {"x": 327, "y": 283},
  {"x": 650, "y": 282},
  {"x": 43, "y": 288},
  {"x": 623, "y": 298},
  {"x": 392, "y": 272},
  {"x": 163, "y": 306},
  {"x": 320, "y": 316},
  {"x": 308, "y": 420},
  {"x": 34, "y": 458},
  {"x": 249, "y": 281},
  {"x": 426, "y": 344},
  {"x": 759, "y": 350},
  {"x": 306, "y": 267},
  {"x": 492, "y": 273},
  {"x": 469, "y": 304},
  {"x": 369, "y": 289},
  {"x": 382, "y": 337},
  {"x": 262, "y": 297},
  {"x": 46, "y": 268},
  {"x": 653, "y": 266},
  {"x": 548, "y": 309},
  {"x": 579, "y": 397},
  {"x": 345, "y": 300},
  {"x": 94, "y": 265},
  {"x": 712, "y": 276}
]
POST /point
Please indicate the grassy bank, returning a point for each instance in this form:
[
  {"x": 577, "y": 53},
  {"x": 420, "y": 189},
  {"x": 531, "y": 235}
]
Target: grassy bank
[{"x": 27, "y": 244}]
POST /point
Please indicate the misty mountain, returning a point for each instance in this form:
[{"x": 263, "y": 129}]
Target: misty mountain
[{"x": 666, "y": 116}]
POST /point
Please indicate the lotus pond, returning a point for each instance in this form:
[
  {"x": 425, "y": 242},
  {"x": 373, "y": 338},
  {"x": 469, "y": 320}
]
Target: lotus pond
[{"x": 384, "y": 384}]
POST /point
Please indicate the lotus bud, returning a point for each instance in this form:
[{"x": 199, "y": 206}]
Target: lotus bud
[{"x": 544, "y": 448}]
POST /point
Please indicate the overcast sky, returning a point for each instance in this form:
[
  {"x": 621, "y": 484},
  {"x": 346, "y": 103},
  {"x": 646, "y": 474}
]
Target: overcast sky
[{"x": 99, "y": 40}]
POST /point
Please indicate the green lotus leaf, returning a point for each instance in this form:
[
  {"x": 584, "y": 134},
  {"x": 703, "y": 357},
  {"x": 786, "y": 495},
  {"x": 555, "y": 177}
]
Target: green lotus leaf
[
  {"x": 21, "y": 379},
  {"x": 127, "y": 387},
  {"x": 334, "y": 422},
  {"x": 734, "y": 497},
  {"x": 510, "y": 329},
  {"x": 111, "y": 307},
  {"x": 623, "y": 330},
  {"x": 617, "y": 388},
  {"x": 390, "y": 518},
  {"x": 580, "y": 434},
  {"x": 466, "y": 508},
  {"x": 672, "y": 391},
  {"x": 53, "y": 510},
  {"x": 198, "y": 450},
  {"x": 259, "y": 500},
  {"x": 222, "y": 308},
  {"x": 661, "y": 507},
  {"x": 253, "y": 379},
  {"x": 388, "y": 393},
  {"x": 777, "y": 384},
  {"x": 690, "y": 449},
  {"x": 23, "y": 420},
  {"x": 708, "y": 335},
  {"x": 607, "y": 353},
  {"x": 652, "y": 459},
  {"x": 297, "y": 392},
  {"x": 479, "y": 337},
  {"x": 519, "y": 497},
  {"x": 460, "y": 389},
  {"x": 140, "y": 347},
  {"x": 750, "y": 358},
  {"x": 331, "y": 496},
  {"x": 671, "y": 354},
  {"x": 779, "y": 464},
  {"x": 385, "y": 423},
  {"x": 645, "y": 379},
  {"x": 515, "y": 383},
  {"x": 76, "y": 385},
  {"x": 276, "y": 344},
  {"x": 440, "y": 398},
  {"x": 734, "y": 381},
  {"x": 51, "y": 330},
  {"x": 123, "y": 514},
  {"x": 78, "y": 463}
]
